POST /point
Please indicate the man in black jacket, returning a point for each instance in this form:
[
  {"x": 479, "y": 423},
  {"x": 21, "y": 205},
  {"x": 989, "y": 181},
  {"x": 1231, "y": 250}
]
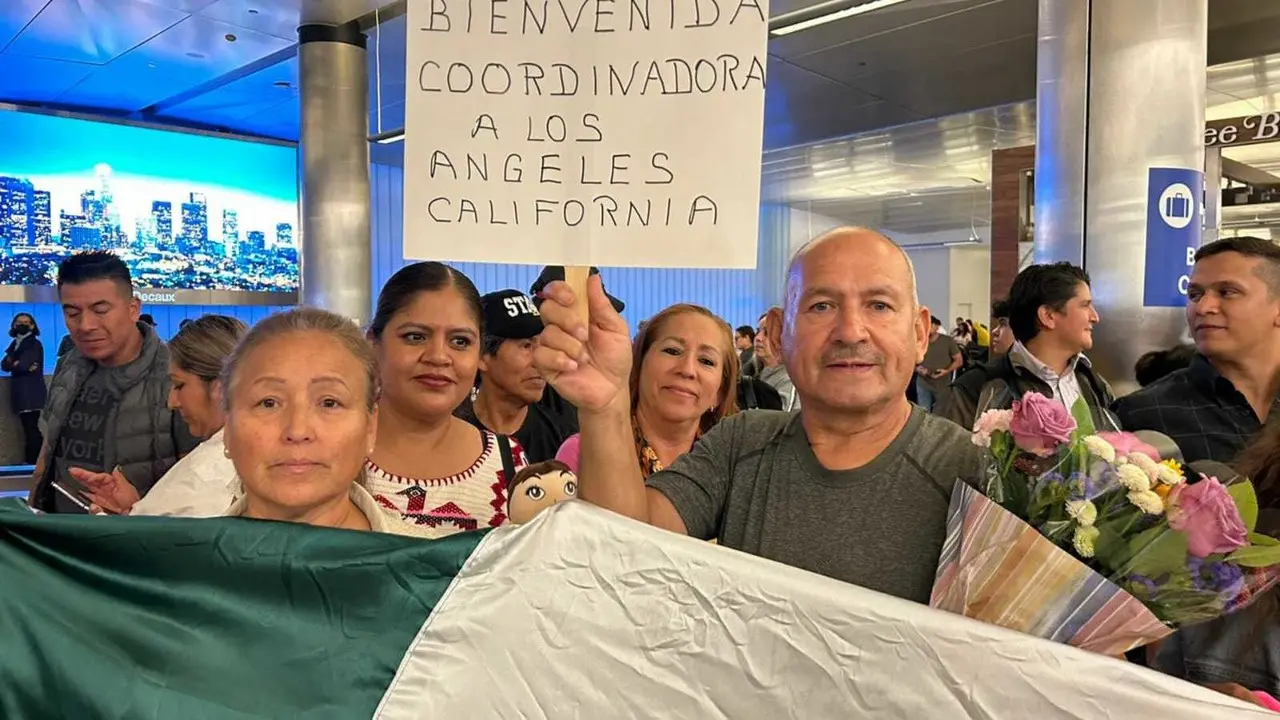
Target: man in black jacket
[{"x": 1051, "y": 318}]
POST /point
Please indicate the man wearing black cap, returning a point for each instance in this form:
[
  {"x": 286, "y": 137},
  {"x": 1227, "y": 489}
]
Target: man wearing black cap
[
  {"x": 555, "y": 273},
  {"x": 507, "y": 401}
]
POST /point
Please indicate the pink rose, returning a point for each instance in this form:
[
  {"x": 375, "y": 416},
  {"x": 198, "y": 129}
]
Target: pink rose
[
  {"x": 1039, "y": 424},
  {"x": 1126, "y": 443},
  {"x": 989, "y": 423},
  {"x": 1208, "y": 516}
]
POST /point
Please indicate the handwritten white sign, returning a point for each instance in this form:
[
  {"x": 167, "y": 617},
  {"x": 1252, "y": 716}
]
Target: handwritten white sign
[{"x": 584, "y": 132}]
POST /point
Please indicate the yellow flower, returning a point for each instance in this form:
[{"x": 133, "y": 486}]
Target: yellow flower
[
  {"x": 1084, "y": 539},
  {"x": 1146, "y": 463},
  {"x": 1132, "y": 477},
  {"x": 1100, "y": 448},
  {"x": 1162, "y": 490},
  {"x": 1147, "y": 501},
  {"x": 1169, "y": 472},
  {"x": 1082, "y": 511}
]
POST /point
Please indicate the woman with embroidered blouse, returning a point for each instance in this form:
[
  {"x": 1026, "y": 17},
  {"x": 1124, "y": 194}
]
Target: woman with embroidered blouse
[
  {"x": 436, "y": 470},
  {"x": 683, "y": 382}
]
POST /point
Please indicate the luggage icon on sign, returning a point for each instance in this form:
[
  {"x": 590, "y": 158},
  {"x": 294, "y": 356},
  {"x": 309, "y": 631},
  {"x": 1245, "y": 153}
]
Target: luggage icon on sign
[{"x": 1176, "y": 206}]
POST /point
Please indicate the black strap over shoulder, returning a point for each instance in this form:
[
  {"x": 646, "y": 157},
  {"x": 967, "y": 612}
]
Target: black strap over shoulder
[{"x": 508, "y": 458}]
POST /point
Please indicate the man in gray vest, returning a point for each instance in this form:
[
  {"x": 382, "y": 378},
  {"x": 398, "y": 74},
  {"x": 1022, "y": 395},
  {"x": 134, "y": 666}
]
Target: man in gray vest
[{"x": 107, "y": 406}]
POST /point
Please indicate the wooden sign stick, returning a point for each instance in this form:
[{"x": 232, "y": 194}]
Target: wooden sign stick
[{"x": 576, "y": 277}]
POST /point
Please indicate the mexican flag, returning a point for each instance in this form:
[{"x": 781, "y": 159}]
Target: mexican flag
[{"x": 581, "y": 614}]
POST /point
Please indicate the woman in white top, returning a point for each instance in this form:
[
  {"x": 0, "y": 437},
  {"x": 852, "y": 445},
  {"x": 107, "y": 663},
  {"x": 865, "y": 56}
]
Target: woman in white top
[
  {"x": 203, "y": 483},
  {"x": 436, "y": 470},
  {"x": 301, "y": 400}
]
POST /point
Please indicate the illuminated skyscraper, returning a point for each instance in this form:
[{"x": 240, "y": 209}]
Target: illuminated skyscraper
[
  {"x": 77, "y": 233},
  {"x": 42, "y": 217},
  {"x": 195, "y": 225},
  {"x": 16, "y": 224},
  {"x": 92, "y": 207},
  {"x": 230, "y": 227},
  {"x": 162, "y": 216},
  {"x": 284, "y": 235},
  {"x": 256, "y": 240}
]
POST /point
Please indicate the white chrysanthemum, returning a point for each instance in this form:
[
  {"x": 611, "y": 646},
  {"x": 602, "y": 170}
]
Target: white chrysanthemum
[
  {"x": 1134, "y": 478},
  {"x": 1147, "y": 501},
  {"x": 1168, "y": 475},
  {"x": 1082, "y": 511},
  {"x": 1100, "y": 448},
  {"x": 982, "y": 440},
  {"x": 1146, "y": 463},
  {"x": 1084, "y": 539}
]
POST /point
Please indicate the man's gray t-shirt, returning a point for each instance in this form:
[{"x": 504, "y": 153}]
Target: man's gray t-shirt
[
  {"x": 938, "y": 357},
  {"x": 754, "y": 484}
]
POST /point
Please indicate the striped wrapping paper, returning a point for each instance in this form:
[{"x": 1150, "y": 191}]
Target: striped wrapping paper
[{"x": 998, "y": 569}]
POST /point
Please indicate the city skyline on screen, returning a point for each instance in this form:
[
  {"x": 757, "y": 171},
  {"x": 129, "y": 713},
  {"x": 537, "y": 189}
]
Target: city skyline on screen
[{"x": 184, "y": 211}]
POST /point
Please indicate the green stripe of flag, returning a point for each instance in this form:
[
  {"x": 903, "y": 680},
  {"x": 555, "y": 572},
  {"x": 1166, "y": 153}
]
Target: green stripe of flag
[{"x": 225, "y": 618}]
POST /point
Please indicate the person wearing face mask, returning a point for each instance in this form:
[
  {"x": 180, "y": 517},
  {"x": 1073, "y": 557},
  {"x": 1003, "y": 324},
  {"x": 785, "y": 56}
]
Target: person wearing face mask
[
  {"x": 1051, "y": 318},
  {"x": 434, "y": 468},
  {"x": 507, "y": 401},
  {"x": 24, "y": 361},
  {"x": 684, "y": 380}
]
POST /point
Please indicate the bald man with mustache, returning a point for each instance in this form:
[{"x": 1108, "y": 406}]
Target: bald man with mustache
[{"x": 855, "y": 486}]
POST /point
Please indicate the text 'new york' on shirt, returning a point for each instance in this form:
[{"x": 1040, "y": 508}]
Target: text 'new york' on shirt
[{"x": 82, "y": 442}]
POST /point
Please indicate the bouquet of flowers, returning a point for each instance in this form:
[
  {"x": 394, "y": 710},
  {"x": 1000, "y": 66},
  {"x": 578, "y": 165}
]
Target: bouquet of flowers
[{"x": 1091, "y": 538}]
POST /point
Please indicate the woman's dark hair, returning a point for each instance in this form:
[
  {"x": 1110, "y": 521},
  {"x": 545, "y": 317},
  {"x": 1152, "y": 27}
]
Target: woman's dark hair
[
  {"x": 421, "y": 277},
  {"x": 35, "y": 327},
  {"x": 1159, "y": 363},
  {"x": 1039, "y": 286}
]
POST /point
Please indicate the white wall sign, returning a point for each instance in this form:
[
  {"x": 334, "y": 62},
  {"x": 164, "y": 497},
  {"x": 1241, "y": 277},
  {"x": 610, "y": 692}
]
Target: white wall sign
[{"x": 584, "y": 132}]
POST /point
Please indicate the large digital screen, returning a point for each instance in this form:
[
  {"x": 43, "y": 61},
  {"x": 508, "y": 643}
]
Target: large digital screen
[{"x": 186, "y": 212}]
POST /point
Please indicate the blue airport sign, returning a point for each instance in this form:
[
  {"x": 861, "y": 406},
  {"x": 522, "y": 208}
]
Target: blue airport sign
[{"x": 1173, "y": 234}]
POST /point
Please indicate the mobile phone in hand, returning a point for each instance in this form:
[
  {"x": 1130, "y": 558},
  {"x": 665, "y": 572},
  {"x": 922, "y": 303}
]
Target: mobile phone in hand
[{"x": 73, "y": 497}]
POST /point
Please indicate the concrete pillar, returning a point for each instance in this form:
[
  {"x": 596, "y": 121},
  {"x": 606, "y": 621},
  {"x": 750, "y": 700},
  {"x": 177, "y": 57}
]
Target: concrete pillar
[
  {"x": 1121, "y": 89},
  {"x": 1212, "y": 194},
  {"x": 334, "y": 159}
]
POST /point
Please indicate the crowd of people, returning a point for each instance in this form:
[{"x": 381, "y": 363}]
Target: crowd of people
[{"x": 796, "y": 439}]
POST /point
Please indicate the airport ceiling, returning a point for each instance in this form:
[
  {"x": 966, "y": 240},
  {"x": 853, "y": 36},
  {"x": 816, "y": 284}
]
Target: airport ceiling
[
  {"x": 231, "y": 65},
  {"x": 933, "y": 176}
]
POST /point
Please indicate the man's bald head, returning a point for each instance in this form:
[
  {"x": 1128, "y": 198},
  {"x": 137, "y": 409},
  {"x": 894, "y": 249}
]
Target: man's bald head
[
  {"x": 853, "y": 330},
  {"x": 856, "y": 240}
]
